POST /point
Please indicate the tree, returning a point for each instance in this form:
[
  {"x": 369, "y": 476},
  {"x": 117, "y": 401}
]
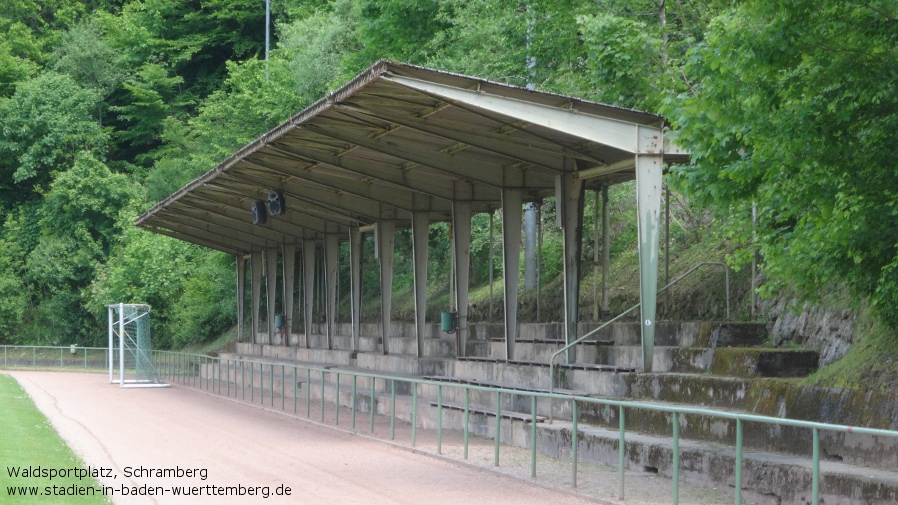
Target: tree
[
  {"x": 42, "y": 129},
  {"x": 795, "y": 106}
]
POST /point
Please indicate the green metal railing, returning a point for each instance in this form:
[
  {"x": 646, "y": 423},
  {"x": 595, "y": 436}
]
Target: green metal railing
[
  {"x": 87, "y": 358},
  {"x": 216, "y": 375},
  {"x": 631, "y": 309}
]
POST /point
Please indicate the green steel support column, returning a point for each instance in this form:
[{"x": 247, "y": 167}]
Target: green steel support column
[
  {"x": 385, "y": 239},
  {"x": 337, "y": 401},
  {"x": 392, "y": 409},
  {"x": 574, "y": 442},
  {"x": 467, "y": 413},
  {"x": 255, "y": 263},
  {"x": 372, "y": 408},
  {"x": 271, "y": 272},
  {"x": 815, "y": 477},
  {"x": 414, "y": 413},
  {"x": 511, "y": 261},
  {"x": 569, "y": 192},
  {"x": 738, "y": 486},
  {"x": 331, "y": 257},
  {"x": 498, "y": 428},
  {"x": 461, "y": 243},
  {"x": 420, "y": 238},
  {"x": 308, "y": 286},
  {"x": 440, "y": 419},
  {"x": 533, "y": 437},
  {"x": 355, "y": 283},
  {"x": 676, "y": 459},
  {"x": 648, "y": 203},
  {"x": 620, "y": 455},
  {"x": 294, "y": 389}
]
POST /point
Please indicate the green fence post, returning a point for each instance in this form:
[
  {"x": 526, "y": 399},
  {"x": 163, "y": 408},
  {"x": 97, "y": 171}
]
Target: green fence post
[
  {"x": 620, "y": 455},
  {"x": 467, "y": 414},
  {"x": 498, "y": 428},
  {"x": 243, "y": 379},
  {"x": 355, "y": 380},
  {"x": 322, "y": 395},
  {"x": 33, "y": 357},
  {"x": 676, "y": 458},
  {"x": 815, "y": 477},
  {"x": 294, "y": 389},
  {"x": 440, "y": 419},
  {"x": 337, "y": 401},
  {"x": 60, "y": 357},
  {"x": 414, "y": 412},
  {"x": 308, "y": 392},
  {"x": 252, "y": 380},
  {"x": 372, "y": 408},
  {"x": 574, "y": 443},
  {"x": 85, "y": 359},
  {"x": 283, "y": 381},
  {"x": 392, "y": 409},
  {"x": 738, "y": 486},
  {"x": 533, "y": 437},
  {"x": 270, "y": 384}
]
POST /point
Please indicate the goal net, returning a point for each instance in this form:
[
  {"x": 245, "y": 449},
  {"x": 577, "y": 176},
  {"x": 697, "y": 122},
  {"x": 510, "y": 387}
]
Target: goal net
[{"x": 130, "y": 349}]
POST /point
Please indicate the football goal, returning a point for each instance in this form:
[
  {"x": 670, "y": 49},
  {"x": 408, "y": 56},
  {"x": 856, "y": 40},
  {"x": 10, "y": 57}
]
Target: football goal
[{"x": 130, "y": 349}]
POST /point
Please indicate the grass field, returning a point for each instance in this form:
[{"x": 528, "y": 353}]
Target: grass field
[{"x": 28, "y": 441}]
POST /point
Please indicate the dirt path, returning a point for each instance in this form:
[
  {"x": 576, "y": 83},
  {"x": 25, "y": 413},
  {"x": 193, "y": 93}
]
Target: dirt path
[{"x": 239, "y": 445}]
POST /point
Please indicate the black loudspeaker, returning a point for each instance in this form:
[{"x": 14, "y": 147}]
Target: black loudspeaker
[
  {"x": 260, "y": 215},
  {"x": 276, "y": 205}
]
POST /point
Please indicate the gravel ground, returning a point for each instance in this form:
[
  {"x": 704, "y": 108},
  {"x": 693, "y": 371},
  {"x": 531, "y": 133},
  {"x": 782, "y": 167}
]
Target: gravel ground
[{"x": 257, "y": 447}]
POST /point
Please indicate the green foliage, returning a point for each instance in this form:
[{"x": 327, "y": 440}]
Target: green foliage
[
  {"x": 42, "y": 128},
  {"x": 795, "y": 108},
  {"x": 207, "y": 305}
]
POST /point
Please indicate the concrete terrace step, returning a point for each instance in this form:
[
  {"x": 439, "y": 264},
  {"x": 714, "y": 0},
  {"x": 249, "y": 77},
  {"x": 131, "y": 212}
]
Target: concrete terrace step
[
  {"x": 767, "y": 478},
  {"x": 761, "y": 362},
  {"x": 504, "y": 414},
  {"x": 666, "y": 358}
]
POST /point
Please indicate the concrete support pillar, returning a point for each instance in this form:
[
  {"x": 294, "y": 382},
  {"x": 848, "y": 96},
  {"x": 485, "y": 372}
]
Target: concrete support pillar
[
  {"x": 308, "y": 282},
  {"x": 648, "y": 204},
  {"x": 331, "y": 260},
  {"x": 511, "y": 257},
  {"x": 289, "y": 261},
  {"x": 420, "y": 242},
  {"x": 569, "y": 200},
  {"x": 271, "y": 274},
  {"x": 385, "y": 238},
  {"x": 241, "y": 295},
  {"x": 461, "y": 244},
  {"x": 256, "y": 288},
  {"x": 355, "y": 284}
]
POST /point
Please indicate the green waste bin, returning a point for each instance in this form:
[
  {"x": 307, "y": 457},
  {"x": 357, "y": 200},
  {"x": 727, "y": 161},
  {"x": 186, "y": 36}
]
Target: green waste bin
[{"x": 448, "y": 322}]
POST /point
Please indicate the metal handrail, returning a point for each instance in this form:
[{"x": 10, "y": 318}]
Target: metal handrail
[
  {"x": 185, "y": 369},
  {"x": 631, "y": 309}
]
